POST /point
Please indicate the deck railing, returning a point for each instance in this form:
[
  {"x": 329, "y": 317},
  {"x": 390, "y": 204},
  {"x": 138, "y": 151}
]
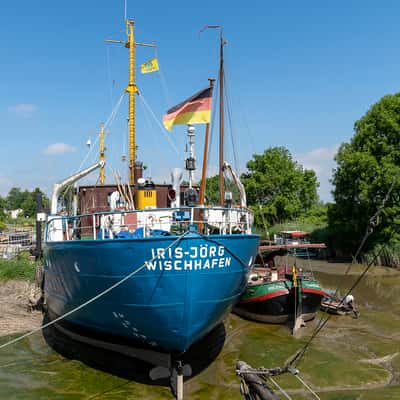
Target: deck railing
[{"x": 121, "y": 224}]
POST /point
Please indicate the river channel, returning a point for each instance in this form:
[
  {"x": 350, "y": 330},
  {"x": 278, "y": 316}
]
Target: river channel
[{"x": 351, "y": 359}]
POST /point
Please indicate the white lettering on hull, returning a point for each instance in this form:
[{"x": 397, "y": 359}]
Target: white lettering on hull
[{"x": 193, "y": 259}]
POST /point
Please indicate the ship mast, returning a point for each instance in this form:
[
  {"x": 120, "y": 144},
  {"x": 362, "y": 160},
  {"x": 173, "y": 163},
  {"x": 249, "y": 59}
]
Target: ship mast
[
  {"x": 204, "y": 170},
  {"x": 131, "y": 90},
  {"x": 221, "y": 122}
]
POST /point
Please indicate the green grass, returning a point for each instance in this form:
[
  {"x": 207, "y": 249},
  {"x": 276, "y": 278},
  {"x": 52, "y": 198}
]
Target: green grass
[{"x": 20, "y": 268}]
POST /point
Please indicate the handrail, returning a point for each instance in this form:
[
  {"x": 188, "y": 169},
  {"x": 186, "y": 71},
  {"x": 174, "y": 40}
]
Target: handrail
[{"x": 117, "y": 224}]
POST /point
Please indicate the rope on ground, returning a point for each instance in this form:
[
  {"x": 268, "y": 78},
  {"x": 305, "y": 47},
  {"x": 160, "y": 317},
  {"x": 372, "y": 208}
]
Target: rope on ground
[
  {"x": 175, "y": 242},
  {"x": 280, "y": 388},
  {"x": 307, "y": 386}
]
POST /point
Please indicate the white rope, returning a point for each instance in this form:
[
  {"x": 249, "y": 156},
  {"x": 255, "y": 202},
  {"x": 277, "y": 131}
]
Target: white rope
[
  {"x": 172, "y": 144},
  {"x": 280, "y": 388},
  {"x": 93, "y": 298},
  {"x": 308, "y": 387}
]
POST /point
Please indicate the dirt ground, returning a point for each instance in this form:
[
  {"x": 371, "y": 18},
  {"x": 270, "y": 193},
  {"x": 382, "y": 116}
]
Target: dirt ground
[{"x": 15, "y": 316}]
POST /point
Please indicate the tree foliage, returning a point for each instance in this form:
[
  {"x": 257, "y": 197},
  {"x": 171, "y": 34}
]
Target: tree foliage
[
  {"x": 212, "y": 190},
  {"x": 2, "y": 212},
  {"x": 24, "y": 200},
  {"x": 278, "y": 188},
  {"x": 366, "y": 168}
]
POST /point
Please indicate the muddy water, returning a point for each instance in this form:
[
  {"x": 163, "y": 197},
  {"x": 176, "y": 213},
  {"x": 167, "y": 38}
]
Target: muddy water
[{"x": 350, "y": 359}]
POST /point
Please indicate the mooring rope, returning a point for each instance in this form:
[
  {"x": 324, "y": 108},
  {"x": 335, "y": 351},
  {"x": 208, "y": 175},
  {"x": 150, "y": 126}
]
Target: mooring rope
[
  {"x": 307, "y": 386},
  {"x": 373, "y": 222},
  {"x": 112, "y": 287},
  {"x": 299, "y": 355},
  {"x": 280, "y": 388}
]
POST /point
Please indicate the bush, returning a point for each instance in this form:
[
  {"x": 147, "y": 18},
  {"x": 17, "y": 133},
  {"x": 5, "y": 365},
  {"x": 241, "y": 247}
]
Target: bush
[{"x": 20, "y": 268}]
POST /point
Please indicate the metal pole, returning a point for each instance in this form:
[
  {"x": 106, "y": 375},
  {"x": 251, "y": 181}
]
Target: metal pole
[
  {"x": 221, "y": 124},
  {"x": 191, "y": 134},
  {"x": 39, "y": 209}
]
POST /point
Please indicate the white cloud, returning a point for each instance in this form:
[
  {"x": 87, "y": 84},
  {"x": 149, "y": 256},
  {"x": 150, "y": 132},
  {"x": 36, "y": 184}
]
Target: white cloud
[
  {"x": 24, "y": 110},
  {"x": 322, "y": 161},
  {"x": 58, "y": 148}
]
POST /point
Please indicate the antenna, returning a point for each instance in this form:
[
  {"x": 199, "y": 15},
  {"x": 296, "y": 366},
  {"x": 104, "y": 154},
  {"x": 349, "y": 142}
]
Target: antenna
[{"x": 125, "y": 1}]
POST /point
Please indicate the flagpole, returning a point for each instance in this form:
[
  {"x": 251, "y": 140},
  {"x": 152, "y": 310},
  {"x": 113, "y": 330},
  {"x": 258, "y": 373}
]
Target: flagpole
[{"x": 204, "y": 171}]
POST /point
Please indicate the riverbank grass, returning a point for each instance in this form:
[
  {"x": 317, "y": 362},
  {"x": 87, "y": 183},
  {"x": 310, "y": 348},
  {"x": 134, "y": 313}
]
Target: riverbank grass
[{"x": 19, "y": 268}]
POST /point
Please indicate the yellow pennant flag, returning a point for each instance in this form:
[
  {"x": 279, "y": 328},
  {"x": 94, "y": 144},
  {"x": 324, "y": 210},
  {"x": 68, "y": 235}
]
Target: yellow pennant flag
[
  {"x": 294, "y": 276},
  {"x": 149, "y": 66}
]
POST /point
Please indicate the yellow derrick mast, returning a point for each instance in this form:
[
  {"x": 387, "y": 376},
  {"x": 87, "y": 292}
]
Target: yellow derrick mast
[
  {"x": 132, "y": 90},
  {"x": 102, "y": 157}
]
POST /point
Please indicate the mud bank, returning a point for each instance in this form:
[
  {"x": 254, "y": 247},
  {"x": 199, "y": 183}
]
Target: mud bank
[{"x": 15, "y": 315}]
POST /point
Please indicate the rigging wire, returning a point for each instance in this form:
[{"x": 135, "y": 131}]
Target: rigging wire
[
  {"x": 109, "y": 74},
  {"x": 229, "y": 109},
  {"x": 163, "y": 81},
  {"x": 108, "y": 123},
  {"x": 150, "y": 129},
  {"x": 254, "y": 147},
  {"x": 162, "y": 129}
]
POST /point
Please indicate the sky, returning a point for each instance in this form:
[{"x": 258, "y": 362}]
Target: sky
[{"x": 298, "y": 74}]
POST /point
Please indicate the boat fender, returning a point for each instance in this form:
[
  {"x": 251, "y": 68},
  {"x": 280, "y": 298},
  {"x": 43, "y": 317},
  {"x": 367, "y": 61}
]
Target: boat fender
[{"x": 348, "y": 300}]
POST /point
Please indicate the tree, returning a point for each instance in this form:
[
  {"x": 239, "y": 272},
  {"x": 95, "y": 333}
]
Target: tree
[
  {"x": 15, "y": 198},
  {"x": 212, "y": 190},
  {"x": 2, "y": 212},
  {"x": 278, "y": 187},
  {"x": 366, "y": 168},
  {"x": 29, "y": 204},
  {"x": 24, "y": 200}
]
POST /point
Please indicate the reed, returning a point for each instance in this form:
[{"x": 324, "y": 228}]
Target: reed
[{"x": 389, "y": 256}]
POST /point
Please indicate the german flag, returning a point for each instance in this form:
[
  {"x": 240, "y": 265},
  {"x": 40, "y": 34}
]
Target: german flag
[{"x": 194, "y": 110}]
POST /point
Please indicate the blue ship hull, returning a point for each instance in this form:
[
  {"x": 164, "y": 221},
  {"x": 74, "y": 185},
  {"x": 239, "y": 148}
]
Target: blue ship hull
[{"x": 170, "y": 304}]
